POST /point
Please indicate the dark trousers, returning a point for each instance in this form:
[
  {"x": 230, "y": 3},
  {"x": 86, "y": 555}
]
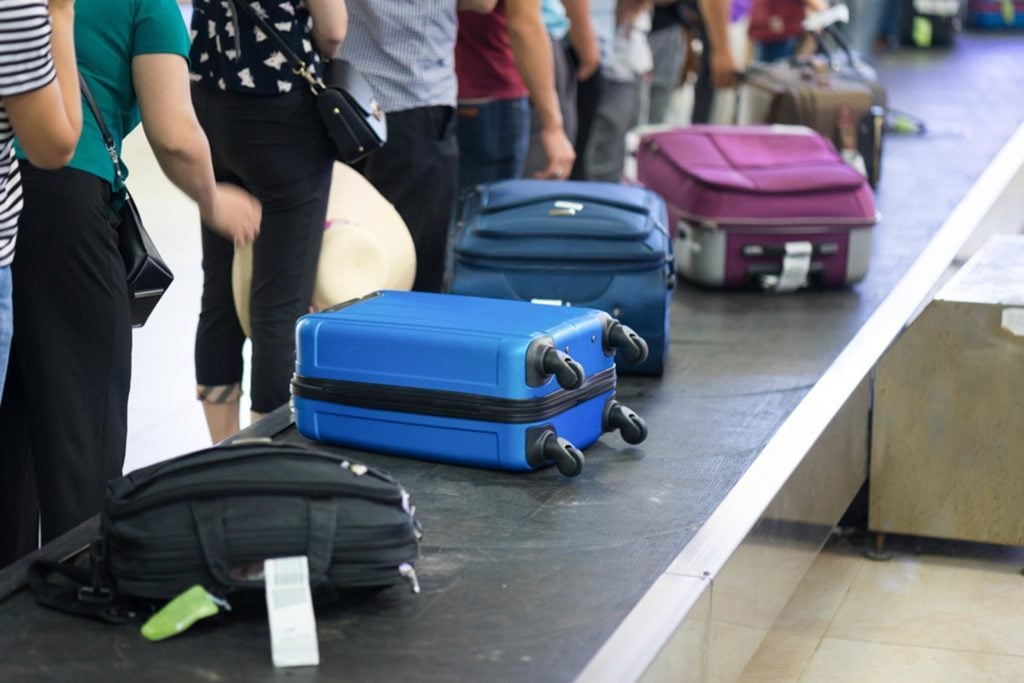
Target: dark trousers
[
  {"x": 493, "y": 139},
  {"x": 64, "y": 411},
  {"x": 417, "y": 171},
  {"x": 588, "y": 96},
  {"x": 276, "y": 147}
]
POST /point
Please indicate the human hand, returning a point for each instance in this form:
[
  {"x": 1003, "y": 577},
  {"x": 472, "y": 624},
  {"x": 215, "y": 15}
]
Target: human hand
[
  {"x": 724, "y": 69},
  {"x": 588, "y": 60},
  {"x": 559, "y": 152},
  {"x": 235, "y": 215}
]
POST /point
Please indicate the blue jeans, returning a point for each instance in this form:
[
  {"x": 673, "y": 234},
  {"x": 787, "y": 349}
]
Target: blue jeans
[
  {"x": 6, "y": 322},
  {"x": 493, "y": 141}
]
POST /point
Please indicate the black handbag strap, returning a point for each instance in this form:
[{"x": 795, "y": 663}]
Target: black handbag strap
[
  {"x": 108, "y": 139},
  {"x": 299, "y": 66}
]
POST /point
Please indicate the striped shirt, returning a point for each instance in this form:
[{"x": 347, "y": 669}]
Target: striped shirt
[
  {"x": 406, "y": 50},
  {"x": 25, "y": 65}
]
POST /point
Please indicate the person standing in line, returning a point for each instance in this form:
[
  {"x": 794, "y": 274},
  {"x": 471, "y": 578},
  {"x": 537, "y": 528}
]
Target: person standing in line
[
  {"x": 71, "y": 357},
  {"x": 501, "y": 58},
  {"x": 266, "y": 135},
  {"x": 407, "y": 53},
  {"x": 39, "y": 101}
]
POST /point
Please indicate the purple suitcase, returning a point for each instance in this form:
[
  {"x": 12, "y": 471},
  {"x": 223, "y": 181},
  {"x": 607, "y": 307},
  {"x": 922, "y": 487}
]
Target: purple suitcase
[{"x": 773, "y": 207}]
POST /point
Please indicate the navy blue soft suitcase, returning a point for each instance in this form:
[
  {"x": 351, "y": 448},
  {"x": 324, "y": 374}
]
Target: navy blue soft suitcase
[
  {"x": 588, "y": 244},
  {"x": 483, "y": 382}
]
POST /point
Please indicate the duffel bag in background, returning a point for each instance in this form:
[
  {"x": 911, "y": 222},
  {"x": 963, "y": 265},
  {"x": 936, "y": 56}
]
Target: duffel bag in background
[
  {"x": 572, "y": 243},
  {"x": 213, "y": 516}
]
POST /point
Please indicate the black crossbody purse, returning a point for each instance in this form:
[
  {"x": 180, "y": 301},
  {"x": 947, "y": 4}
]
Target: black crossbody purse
[
  {"x": 147, "y": 272},
  {"x": 349, "y": 109}
]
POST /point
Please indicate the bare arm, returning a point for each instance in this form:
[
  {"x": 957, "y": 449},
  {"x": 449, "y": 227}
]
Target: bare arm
[
  {"x": 482, "y": 6},
  {"x": 48, "y": 121},
  {"x": 582, "y": 37},
  {"x": 531, "y": 48},
  {"x": 181, "y": 148},
  {"x": 715, "y": 14},
  {"x": 330, "y": 24}
]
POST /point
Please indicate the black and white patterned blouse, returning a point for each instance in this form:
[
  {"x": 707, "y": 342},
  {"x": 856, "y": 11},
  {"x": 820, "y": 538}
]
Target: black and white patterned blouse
[{"x": 229, "y": 52}]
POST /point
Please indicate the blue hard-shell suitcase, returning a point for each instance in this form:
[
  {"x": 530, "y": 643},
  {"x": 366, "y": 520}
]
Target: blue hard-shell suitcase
[
  {"x": 588, "y": 244},
  {"x": 482, "y": 382}
]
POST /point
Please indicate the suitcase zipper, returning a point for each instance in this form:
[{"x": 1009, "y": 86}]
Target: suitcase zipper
[
  {"x": 451, "y": 404},
  {"x": 714, "y": 224}
]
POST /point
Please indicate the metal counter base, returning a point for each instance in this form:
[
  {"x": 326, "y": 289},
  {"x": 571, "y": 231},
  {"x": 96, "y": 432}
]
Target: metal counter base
[{"x": 535, "y": 577}]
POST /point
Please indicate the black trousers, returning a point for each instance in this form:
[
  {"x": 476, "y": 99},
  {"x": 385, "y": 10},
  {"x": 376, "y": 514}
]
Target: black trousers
[
  {"x": 418, "y": 171},
  {"x": 276, "y": 147},
  {"x": 588, "y": 95},
  {"x": 64, "y": 412}
]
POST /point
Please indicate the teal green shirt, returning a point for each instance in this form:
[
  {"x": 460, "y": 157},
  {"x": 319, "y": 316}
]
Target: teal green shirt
[{"x": 108, "y": 34}]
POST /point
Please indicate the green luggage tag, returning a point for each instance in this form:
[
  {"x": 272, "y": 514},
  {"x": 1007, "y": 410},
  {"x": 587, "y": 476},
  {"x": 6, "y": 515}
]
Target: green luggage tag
[
  {"x": 180, "y": 613},
  {"x": 922, "y": 32},
  {"x": 1009, "y": 11}
]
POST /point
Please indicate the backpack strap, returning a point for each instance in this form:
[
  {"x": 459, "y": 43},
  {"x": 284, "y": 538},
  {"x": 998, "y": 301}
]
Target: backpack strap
[{"x": 81, "y": 591}]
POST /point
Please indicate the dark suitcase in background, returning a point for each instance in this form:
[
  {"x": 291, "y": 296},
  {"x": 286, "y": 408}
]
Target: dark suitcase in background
[
  {"x": 588, "y": 244},
  {"x": 765, "y": 206},
  {"x": 837, "y": 96},
  {"x": 929, "y": 23},
  {"x": 995, "y": 14},
  {"x": 482, "y": 382}
]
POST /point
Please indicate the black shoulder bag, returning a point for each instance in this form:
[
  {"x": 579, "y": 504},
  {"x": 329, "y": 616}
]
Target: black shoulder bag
[
  {"x": 348, "y": 107},
  {"x": 147, "y": 272}
]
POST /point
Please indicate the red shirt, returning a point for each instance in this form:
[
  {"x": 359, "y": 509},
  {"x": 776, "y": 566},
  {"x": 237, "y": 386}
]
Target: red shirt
[{"x": 484, "y": 61}]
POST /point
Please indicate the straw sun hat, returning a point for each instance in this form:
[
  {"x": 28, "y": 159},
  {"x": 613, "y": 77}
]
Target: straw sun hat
[{"x": 366, "y": 247}]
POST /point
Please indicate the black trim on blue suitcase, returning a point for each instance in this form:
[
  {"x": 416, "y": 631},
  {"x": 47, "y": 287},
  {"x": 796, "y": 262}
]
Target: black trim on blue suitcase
[{"x": 452, "y": 404}]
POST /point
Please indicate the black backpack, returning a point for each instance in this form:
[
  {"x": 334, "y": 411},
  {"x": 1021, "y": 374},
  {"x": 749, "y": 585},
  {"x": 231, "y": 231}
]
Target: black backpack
[{"x": 212, "y": 517}]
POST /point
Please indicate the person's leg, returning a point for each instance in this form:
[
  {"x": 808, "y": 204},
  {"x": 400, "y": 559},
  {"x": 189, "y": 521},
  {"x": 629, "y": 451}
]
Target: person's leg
[
  {"x": 219, "y": 336},
  {"x": 617, "y": 113},
  {"x": 703, "y": 89},
  {"x": 6, "y": 322},
  {"x": 282, "y": 155},
  {"x": 73, "y": 342},
  {"x": 669, "y": 52},
  {"x": 19, "y": 504},
  {"x": 417, "y": 171},
  {"x": 588, "y": 97},
  {"x": 493, "y": 138}
]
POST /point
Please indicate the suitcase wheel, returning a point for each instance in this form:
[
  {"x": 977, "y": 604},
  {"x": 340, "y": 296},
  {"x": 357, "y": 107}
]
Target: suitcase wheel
[
  {"x": 548, "y": 447},
  {"x": 631, "y": 426},
  {"x": 567, "y": 372},
  {"x": 630, "y": 344}
]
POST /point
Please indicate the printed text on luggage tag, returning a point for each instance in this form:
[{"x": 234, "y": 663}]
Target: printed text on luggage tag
[{"x": 290, "y": 610}]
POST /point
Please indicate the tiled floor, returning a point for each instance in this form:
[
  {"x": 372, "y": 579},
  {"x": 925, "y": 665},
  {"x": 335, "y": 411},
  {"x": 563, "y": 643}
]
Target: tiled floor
[{"x": 954, "y": 612}]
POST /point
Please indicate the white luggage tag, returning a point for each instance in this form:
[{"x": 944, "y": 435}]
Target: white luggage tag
[
  {"x": 796, "y": 265},
  {"x": 293, "y": 639}
]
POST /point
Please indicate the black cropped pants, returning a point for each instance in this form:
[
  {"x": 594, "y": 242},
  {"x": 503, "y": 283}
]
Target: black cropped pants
[{"x": 277, "y": 148}]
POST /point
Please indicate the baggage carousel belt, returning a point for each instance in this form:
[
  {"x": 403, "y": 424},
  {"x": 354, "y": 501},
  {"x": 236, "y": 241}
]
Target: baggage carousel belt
[{"x": 524, "y": 576}]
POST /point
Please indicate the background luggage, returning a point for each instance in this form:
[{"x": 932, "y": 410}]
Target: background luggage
[
  {"x": 929, "y": 23},
  {"x": 838, "y": 96},
  {"x": 483, "y": 382},
  {"x": 595, "y": 245},
  {"x": 766, "y": 206},
  {"x": 995, "y": 13}
]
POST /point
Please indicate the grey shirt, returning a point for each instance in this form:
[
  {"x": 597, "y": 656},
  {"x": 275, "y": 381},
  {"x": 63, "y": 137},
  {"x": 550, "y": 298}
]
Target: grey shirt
[{"x": 405, "y": 49}]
